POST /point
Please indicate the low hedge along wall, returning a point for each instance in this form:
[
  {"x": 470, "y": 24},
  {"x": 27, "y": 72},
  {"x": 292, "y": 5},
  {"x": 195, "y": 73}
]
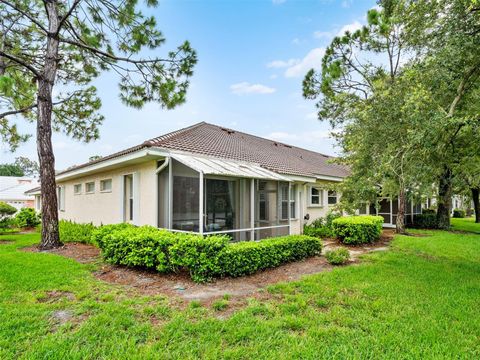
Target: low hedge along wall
[
  {"x": 354, "y": 230},
  {"x": 204, "y": 257}
]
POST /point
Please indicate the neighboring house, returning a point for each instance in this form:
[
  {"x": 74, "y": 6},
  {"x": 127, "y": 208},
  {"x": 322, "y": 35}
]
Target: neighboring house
[
  {"x": 35, "y": 193},
  {"x": 13, "y": 188},
  {"x": 206, "y": 179}
]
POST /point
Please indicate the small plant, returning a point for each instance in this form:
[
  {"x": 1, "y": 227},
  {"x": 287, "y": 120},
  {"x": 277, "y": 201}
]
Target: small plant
[
  {"x": 321, "y": 227},
  {"x": 220, "y": 305},
  {"x": 195, "y": 304},
  {"x": 27, "y": 218},
  {"x": 74, "y": 232},
  {"x": 459, "y": 213},
  {"x": 338, "y": 256}
]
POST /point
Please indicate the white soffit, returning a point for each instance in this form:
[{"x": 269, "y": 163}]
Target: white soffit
[{"x": 216, "y": 166}]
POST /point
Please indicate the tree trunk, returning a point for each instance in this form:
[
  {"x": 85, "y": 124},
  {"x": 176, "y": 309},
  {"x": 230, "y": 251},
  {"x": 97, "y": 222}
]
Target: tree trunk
[
  {"x": 400, "y": 224},
  {"x": 444, "y": 199},
  {"x": 476, "y": 203},
  {"x": 50, "y": 235}
]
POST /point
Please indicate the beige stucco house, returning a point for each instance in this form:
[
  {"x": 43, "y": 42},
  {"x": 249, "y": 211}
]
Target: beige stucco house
[{"x": 205, "y": 179}]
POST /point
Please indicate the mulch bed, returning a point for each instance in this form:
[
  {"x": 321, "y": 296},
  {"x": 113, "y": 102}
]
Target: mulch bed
[{"x": 180, "y": 285}]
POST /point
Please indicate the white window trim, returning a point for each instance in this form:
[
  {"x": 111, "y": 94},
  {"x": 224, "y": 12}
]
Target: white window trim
[
  {"x": 294, "y": 201},
  {"x": 81, "y": 189},
  {"x": 111, "y": 185},
  {"x": 320, "y": 197},
  {"x": 90, "y": 192}
]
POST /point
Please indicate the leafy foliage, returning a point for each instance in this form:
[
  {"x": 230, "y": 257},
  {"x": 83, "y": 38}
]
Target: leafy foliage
[
  {"x": 459, "y": 213},
  {"x": 27, "y": 218},
  {"x": 102, "y": 231},
  {"x": 6, "y": 209},
  {"x": 355, "y": 230},
  {"x": 427, "y": 220},
  {"x": 11, "y": 170},
  {"x": 321, "y": 227},
  {"x": 71, "y": 231},
  {"x": 338, "y": 256}
]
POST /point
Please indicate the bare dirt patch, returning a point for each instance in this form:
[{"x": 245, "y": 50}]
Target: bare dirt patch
[
  {"x": 6, "y": 242},
  {"x": 83, "y": 253},
  {"x": 180, "y": 286},
  {"x": 54, "y": 296}
]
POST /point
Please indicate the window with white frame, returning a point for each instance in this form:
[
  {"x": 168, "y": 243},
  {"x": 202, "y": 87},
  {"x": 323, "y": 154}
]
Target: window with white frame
[
  {"x": 293, "y": 192},
  {"x": 106, "y": 185},
  {"x": 316, "y": 196},
  {"x": 332, "y": 197},
  {"x": 283, "y": 193},
  {"x": 77, "y": 189},
  {"x": 61, "y": 198},
  {"x": 89, "y": 187}
]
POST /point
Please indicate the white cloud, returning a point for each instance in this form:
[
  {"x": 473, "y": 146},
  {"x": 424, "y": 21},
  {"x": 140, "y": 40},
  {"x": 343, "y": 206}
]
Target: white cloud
[
  {"x": 244, "y": 88},
  {"x": 278, "y": 2},
  {"x": 346, "y": 3},
  {"x": 277, "y": 64},
  {"x": 312, "y": 60},
  {"x": 273, "y": 76},
  {"x": 356, "y": 25}
]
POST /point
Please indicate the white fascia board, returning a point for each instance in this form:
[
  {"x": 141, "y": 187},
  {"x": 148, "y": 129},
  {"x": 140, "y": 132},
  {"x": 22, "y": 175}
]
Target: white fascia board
[
  {"x": 302, "y": 179},
  {"x": 329, "y": 178},
  {"x": 111, "y": 162}
]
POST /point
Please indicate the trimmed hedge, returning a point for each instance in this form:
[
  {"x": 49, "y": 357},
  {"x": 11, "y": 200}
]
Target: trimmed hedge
[
  {"x": 425, "y": 221},
  {"x": 71, "y": 231},
  {"x": 354, "y": 230},
  {"x": 27, "y": 218},
  {"x": 338, "y": 256},
  {"x": 248, "y": 257},
  {"x": 204, "y": 257},
  {"x": 144, "y": 246},
  {"x": 459, "y": 213}
]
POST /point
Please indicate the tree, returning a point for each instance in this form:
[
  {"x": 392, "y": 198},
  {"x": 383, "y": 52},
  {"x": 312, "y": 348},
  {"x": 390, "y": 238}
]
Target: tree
[
  {"x": 355, "y": 89},
  {"x": 65, "y": 45},
  {"x": 29, "y": 167},
  {"x": 11, "y": 170},
  {"x": 447, "y": 34}
]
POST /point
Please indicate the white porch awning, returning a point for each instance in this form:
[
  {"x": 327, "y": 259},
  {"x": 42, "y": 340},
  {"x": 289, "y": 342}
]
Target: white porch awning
[{"x": 224, "y": 167}]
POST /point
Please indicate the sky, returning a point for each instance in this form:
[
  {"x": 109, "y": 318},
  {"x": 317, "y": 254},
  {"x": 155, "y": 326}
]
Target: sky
[{"x": 252, "y": 57}]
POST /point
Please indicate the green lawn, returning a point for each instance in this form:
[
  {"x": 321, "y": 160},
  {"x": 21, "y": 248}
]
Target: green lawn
[
  {"x": 419, "y": 300},
  {"x": 466, "y": 224}
]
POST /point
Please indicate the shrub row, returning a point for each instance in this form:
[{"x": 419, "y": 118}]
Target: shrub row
[
  {"x": 204, "y": 257},
  {"x": 354, "y": 230},
  {"x": 24, "y": 218},
  {"x": 459, "y": 213},
  {"x": 321, "y": 227}
]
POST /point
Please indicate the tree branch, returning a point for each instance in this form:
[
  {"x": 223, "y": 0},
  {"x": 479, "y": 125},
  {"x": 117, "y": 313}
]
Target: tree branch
[
  {"x": 28, "y": 16},
  {"x": 67, "y": 15},
  {"x": 21, "y": 63}
]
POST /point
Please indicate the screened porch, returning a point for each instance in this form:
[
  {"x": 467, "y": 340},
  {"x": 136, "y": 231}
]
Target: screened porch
[{"x": 216, "y": 196}]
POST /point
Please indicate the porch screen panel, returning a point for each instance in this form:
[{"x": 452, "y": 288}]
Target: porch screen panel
[
  {"x": 185, "y": 197},
  {"x": 163, "y": 190}
]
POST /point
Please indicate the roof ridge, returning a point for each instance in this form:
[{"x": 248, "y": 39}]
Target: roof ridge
[{"x": 172, "y": 134}]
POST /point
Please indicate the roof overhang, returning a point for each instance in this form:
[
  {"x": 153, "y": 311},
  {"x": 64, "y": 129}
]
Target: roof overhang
[
  {"x": 135, "y": 157},
  {"x": 224, "y": 167}
]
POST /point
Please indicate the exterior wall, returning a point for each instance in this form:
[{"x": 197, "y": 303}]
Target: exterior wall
[
  {"x": 107, "y": 207},
  {"x": 18, "y": 204}
]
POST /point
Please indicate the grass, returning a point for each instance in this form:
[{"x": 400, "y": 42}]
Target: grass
[
  {"x": 465, "y": 224},
  {"x": 418, "y": 300}
]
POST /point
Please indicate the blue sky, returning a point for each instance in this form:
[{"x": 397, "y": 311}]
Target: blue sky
[{"x": 252, "y": 55}]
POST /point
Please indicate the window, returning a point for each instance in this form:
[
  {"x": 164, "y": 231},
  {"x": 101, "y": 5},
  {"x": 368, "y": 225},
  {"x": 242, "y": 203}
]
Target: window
[
  {"x": 332, "y": 197},
  {"x": 315, "y": 196},
  {"x": 106, "y": 185},
  {"x": 128, "y": 197},
  {"x": 284, "y": 200},
  {"x": 77, "y": 189},
  {"x": 61, "y": 198},
  {"x": 89, "y": 187},
  {"x": 262, "y": 201},
  {"x": 292, "y": 201}
]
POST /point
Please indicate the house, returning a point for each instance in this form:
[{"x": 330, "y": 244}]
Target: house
[
  {"x": 12, "y": 191},
  {"x": 206, "y": 179}
]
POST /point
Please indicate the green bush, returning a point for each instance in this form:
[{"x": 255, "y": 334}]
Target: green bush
[
  {"x": 6, "y": 210},
  {"x": 354, "y": 230},
  {"x": 425, "y": 221},
  {"x": 321, "y": 227},
  {"x": 27, "y": 218},
  {"x": 101, "y": 231},
  {"x": 459, "y": 213},
  {"x": 429, "y": 211},
  {"x": 338, "y": 256},
  {"x": 199, "y": 255},
  {"x": 144, "y": 246},
  {"x": 71, "y": 231},
  {"x": 248, "y": 257}
]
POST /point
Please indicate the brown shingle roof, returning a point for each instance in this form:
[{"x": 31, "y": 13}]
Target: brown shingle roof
[{"x": 220, "y": 142}]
